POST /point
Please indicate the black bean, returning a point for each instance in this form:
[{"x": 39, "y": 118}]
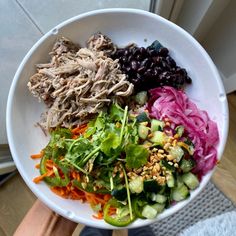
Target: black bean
[
  {"x": 165, "y": 65},
  {"x": 135, "y": 51},
  {"x": 173, "y": 69},
  {"x": 134, "y": 65},
  {"x": 124, "y": 59},
  {"x": 141, "y": 69},
  {"x": 147, "y": 74},
  {"x": 152, "y": 65},
  {"x": 126, "y": 52},
  {"x": 171, "y": 61},
  {"x": 155, "y": 72},
  {"x": 130, "y": 58},
  {"x": 123, "y": 68},
  {"x": 127, "y": 69},
  {"x": 181, "y": 71},
  {"x": 174, "y": 78},
  {"x": 163, "y": 52},
  {"x": 120, "y": 52},
  {"x": 188, "y": 80},
  {"x": 152, "y": 52},
  {"x": 134, "y": 80},
  {"x": 142, "y": 51},
  {"x": 138, "y": 76},
  {"x": 180, "y": 80},
  {"x": 145, "y": 62},
  {"x": 148, "y": 68},
  {"x": 159, "y": 61},
  {"x": 139, "y": 57},
  {"x": 158, "y": 70}
]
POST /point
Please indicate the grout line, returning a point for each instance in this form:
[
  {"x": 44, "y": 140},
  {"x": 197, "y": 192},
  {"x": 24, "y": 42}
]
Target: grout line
[{"x": 29, "y": 16}]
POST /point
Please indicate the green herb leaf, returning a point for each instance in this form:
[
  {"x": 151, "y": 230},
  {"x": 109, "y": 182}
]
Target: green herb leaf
[
  {"x": 116, "y": 112},
  {"x": 110, "y": 143},
  {"x": 100, "y": 122},
  {"x": 58, "y": 136},
  {"x": 136, "y": 155},
  {"x": 90, "y": 131}
]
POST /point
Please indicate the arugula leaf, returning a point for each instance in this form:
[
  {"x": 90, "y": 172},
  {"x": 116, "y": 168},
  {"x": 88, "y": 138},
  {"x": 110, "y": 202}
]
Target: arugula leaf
[
  {"x": 136, "y": 155},
  {"x": 110, "y": 143},
  {"x": 116, "y": 112}
]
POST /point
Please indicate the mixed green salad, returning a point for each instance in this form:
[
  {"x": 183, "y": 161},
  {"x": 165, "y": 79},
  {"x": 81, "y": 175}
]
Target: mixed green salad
[{"x": 128, "y": 155}]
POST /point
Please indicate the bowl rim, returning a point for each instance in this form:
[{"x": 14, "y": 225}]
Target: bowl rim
[{"x": 10, "y": 132}]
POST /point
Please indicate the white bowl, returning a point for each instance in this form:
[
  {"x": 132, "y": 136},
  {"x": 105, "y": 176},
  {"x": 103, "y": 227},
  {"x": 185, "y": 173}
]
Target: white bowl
[{"x": 122, "y": 26}]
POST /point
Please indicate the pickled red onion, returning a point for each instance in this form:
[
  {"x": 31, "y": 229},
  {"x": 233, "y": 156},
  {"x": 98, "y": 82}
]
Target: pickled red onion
[{"x": 203, "y": 132}]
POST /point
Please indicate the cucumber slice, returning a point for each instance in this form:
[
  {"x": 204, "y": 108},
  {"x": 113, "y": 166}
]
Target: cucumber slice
[
  {"x": 176, "y": 152},
  {"x": 180, "y": 193},
  {"x": 167, "y": 165},
  {"x": 157, "y": 125},
  {"x": 159, "y": 198},
  {"x": 149, "y": 212},
  {"x": 159, "y": 207},
  {"x": 156, "y": 45},
  {"x": 147, "y": 144},
  {"x": 187, "y": 164},
  {"x": 179, "y": 130},
  {"x": 136, "y": 185},
  {"x": 143, "y": 131},
  {"x": 142, "y": 117},
  {"x": 151, "y": 186},
  {"x": 179, "y": 181},
  {"x": 190, "y": 180},
  {"x": 141, "y": 97},
  {"x": 170, "y": 181},
  {"x": 119, "y": 193},
  {"x": 159, "y": 138}
]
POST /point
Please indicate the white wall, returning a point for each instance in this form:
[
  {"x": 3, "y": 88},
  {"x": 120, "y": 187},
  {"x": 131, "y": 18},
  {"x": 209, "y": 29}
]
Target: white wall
[
  {"x": 220, "y": 42},
  {"x": 213, "y": 24}
]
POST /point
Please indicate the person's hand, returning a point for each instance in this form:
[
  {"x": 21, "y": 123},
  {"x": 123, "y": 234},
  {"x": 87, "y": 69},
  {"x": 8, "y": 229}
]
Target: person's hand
[{"x": 41, "y": 221}]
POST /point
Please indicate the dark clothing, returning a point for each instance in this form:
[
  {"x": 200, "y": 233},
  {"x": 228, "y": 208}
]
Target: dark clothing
[{"x": 90, "y": 231}]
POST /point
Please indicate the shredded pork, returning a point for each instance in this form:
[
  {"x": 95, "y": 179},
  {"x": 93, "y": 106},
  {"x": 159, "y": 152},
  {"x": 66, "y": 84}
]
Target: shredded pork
[{"x": 78, "y": 82}]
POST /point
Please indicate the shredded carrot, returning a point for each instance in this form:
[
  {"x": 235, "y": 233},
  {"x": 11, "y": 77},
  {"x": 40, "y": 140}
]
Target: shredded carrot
[
  {"x": 79, "y": 130},
  {"x": 69, "y": 191},
  {"x": 107, "y": 197},
  {"x": 112, "y": 211},
  {"x": 58, "y": 191},
  {"x": 99, "y": 216},
  {"x": 37, "y": 166},
  {"x": 75, "y": 175},
  {"x": 37, "y": 156},
  {"x": 41, "y": 177},
  {"x": 49, "y": 164}
]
